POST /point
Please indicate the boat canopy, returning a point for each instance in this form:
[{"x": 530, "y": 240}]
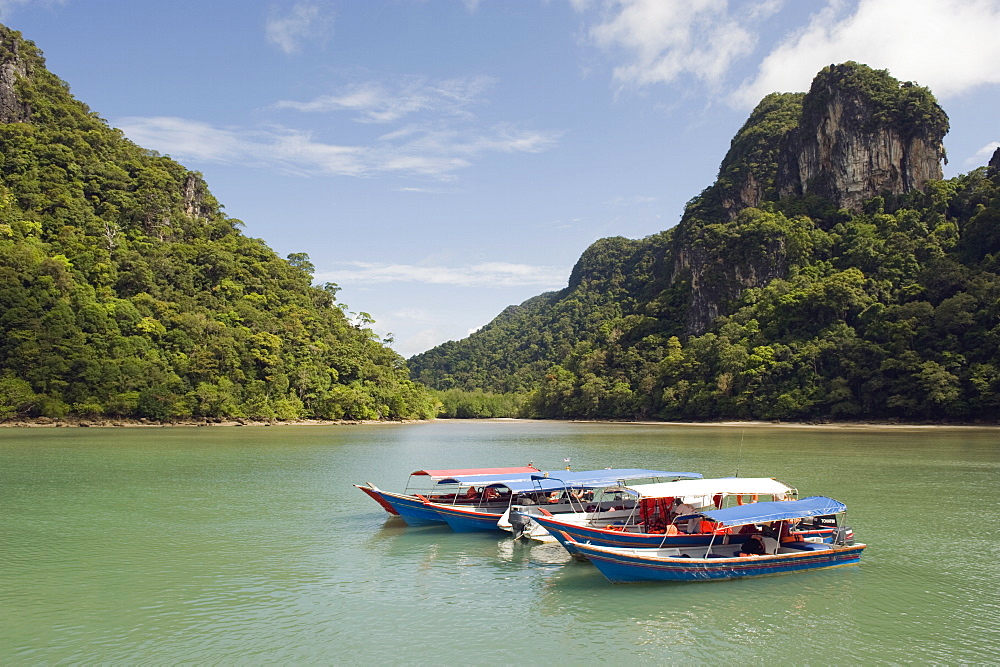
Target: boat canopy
[
  {"x": 585, "y": 479},
  {"x": 741, "y": 515},
  {"x": 483, "y": 480},
  {"x": 621, "y": 475},
  {"x": 470, "y": 472},
  {"x": 702, "y": 488}
]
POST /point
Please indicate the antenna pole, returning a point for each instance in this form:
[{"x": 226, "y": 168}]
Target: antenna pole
[{"x": 739, "y": 459}]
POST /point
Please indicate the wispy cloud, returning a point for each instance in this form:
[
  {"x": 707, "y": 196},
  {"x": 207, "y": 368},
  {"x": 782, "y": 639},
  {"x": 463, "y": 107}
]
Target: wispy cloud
[
  {"x": 376, "y": 102},
  {"x": 291, "y": 151},
  {"x": 948, "y": 45},
  {"x": 7, "y": 7},
  {"x": 983, "y": 155},
  {"x": 430, "y": 131},
  {"x": 424, "y": 152},
  {"x": 303, "y": 22},
  {"x": 621, "y": 201},
  {"x": 487, "y": 274}
]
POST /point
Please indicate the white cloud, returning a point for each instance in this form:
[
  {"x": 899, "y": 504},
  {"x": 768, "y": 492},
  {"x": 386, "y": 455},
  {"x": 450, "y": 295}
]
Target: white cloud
[
  {"x": 948, "y": 45},
  {"x": 7, "y": 7},
  {"x": 661, "y": 41},
  {"x": 983, "y": 155},
  {"x": 420, "y": 341},
  {"x": 375, "y": 102},
  {"x": 413, "y": 315},
  {"x": 288, "y": 32},
  {"x": 487, "y": 274},
  {"x": 440, "y": 138},
  {"x": 291, "y": 151},
  {"x": 633, "y": 200},
  {"x": 185, "y": 137},
  {"x": 431, "y": 153}
]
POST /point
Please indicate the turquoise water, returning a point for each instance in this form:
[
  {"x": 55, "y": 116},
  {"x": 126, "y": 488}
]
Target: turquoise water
[{"x": 249, "y": 545}]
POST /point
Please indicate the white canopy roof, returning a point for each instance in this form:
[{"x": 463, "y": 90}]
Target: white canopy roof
[{"x": 727, "y": 486}]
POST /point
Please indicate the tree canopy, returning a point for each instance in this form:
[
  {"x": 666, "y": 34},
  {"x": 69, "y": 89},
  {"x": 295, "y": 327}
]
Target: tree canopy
[
  {"x": 126, "y": 291},
  {"x": 889, "y": 312}
]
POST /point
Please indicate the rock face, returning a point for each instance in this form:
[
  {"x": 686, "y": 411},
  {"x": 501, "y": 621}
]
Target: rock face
[
  {"x": 851, "y": 146},
  {"x": 715, "y": 283},
  {"x": 858, "y": 133},
  {"x": 194, "y": 197},
  {"x": 12, "y": 67},
  {"x": 994, "y": 166}
]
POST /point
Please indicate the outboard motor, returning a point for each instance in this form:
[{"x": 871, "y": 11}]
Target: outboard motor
[
  {"x": 843, "y": 535},
  {"x": 519, "y": 524}
]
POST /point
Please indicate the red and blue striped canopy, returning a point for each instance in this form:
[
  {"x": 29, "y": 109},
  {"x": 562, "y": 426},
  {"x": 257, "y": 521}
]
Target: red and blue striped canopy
[{"x": 469, "y": 472}]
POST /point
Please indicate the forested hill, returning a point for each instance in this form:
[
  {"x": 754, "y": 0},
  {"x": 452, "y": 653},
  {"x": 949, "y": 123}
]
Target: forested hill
[
  {"x": 126, "y": 292},
  {"x": 829, "y": 272}
]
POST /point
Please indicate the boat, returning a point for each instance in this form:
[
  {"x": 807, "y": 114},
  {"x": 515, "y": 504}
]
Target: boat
[
  {"x": 720, "y": 560},
  {"x": 653, "y": 522},
  {"x": 445, "y": 486},
  {"x": 556, "y": 490}
]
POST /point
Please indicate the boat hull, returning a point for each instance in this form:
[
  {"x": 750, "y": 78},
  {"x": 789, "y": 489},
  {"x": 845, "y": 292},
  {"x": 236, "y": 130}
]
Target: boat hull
[
  {"x": 568, "y": 533},
  {"x": 635, "y": 565},
  {"x": 377, "y": 495},
  {"x": 465, "y": 520},
  {"x": 411, "y": 509}
]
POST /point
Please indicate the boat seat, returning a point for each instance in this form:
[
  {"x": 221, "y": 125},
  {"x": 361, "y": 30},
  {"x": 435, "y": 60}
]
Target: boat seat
[
  {"x": 792, "y": 547},
  {"x": 770, "y": 545}
]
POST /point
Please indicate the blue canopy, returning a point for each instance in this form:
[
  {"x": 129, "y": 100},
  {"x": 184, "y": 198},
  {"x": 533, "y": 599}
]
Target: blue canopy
[
  {"x": 775, "y": 511},
  {"x": 586, "y": 479}
]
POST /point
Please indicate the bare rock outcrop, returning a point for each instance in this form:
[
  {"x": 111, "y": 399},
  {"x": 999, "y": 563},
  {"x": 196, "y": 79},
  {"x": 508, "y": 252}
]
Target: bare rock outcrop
[
  {"x": 12, "y": 67},
  {"x": 858, "y": 140},
  {"x": 195, "y": 192},
  {"x": 858, "y": 133},
  {"x": 716, "y": 282}
]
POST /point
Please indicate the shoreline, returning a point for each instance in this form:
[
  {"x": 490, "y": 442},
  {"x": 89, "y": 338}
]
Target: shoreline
[{"x": 74, "y": 422}]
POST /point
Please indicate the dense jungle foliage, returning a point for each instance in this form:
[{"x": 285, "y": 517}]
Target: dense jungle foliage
[
  {"x": 892, "y": 312},
  {"x": 126, "y": 292}
]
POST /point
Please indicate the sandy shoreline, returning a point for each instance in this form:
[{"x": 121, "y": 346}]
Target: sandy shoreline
[{"x": 44, "y": 422}]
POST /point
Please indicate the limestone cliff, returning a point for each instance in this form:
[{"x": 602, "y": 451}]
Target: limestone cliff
[
  {"x": 858, "y": 133},
  {"x": 862, "y": 134},
  {"x": 12, "y": 67}
]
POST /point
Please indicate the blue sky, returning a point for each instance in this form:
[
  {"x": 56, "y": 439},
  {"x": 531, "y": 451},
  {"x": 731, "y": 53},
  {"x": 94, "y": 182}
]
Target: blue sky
[{"x": 443, "y": 159}]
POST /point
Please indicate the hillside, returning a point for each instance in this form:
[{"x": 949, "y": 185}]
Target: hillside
[
  {"x": 126, "y": 292},
  {"x": 829, "y": 272}
]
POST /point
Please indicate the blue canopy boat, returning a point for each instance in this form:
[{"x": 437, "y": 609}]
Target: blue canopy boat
[
  {"x": 733, "y": 561},
  {"x": 445, "y": 486},
  {"x": 554, "y": 489},
  {"x": 654, "y": 523}
]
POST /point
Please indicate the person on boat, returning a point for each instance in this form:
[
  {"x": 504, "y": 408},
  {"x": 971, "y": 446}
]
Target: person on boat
[
  {"x": 472, "y": 493},
  {"x": 785, "y": 532},
  {"x": 754, "y": 546},
  {"x": 682, "y": 508}
]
